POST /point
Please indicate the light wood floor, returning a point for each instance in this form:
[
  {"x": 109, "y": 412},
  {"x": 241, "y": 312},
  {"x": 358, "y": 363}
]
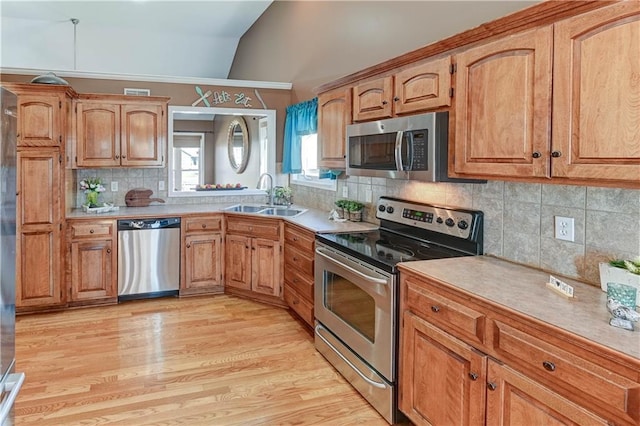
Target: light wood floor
[{"x": 216, "y": 360}]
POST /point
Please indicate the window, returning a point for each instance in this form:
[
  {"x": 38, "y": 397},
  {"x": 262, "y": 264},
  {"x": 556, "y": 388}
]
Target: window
[
  {"x": 187, "y": 162},
  {"x": 311, "y": 175}
]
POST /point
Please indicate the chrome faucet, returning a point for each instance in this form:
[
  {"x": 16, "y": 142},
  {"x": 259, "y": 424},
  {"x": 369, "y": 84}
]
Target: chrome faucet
[{"x": 270, "y": 190}]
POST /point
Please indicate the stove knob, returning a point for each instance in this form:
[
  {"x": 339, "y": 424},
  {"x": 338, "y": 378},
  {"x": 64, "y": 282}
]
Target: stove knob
[
  {"x": 439, "y": 220},
  {"x": 389, "y": 255},
  {"x": 390, "y": 209},
  {"x": 381, "y": 208},
  {"x": 463, "y": 224},
  {"x": 449, "y": 222}
]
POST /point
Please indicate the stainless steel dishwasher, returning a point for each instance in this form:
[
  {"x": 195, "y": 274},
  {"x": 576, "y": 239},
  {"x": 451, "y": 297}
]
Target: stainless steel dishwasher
[{"x": 148, "y": 258}]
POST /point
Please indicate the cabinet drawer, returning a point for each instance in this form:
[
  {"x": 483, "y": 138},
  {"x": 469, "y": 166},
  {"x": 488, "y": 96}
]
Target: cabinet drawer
[
  {"x": 569, "y": 374},
  {"x": 202, "y": 224},
  {"x": 91, "y": 229},
  {"x": 303, "y": 284},
  {"x": 299, "y": 238},
  {"x": 299, "y": 304},
  {"x": 453, "y": 317},
  {"x": 258, "y": 227},
  {"x": 296, "y": 259}
]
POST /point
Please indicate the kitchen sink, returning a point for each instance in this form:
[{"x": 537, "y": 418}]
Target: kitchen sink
[
  {"x": 242, "y": 208},
  {"x": 266, "y": 210}
]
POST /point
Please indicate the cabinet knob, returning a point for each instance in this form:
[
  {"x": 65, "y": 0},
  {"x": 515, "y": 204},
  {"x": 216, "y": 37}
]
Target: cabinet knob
[
  {"x": 295, "y": 280},
  {"x": 91, "y": 231},
  {"x": 295, "y": 259},
  {"x": 435, "y": 308},
  {"x": 384, "y": 102},
  {"x": 536, "y": 154},
  {"x": 556, "y": 154},
  {"x": 473, "y": 376},
  {"x": 124, "y": 156},
  {"x": 396, "y": 99},
  {"x": 492, "y": 386},
  {"x": 295, "y": 302},
  {"x": 204, "y": 225},
  {"x": 251, "y": 228},
  {"x": 246, "y": 247},
  {"x": 109, "y": 251},
  {"x": 189, "y": 245},
  {"x": 117, "y": 157},
  {"x": 295, "y": 238},
  {"x": 17, "y": 135},
  {"x": 549, "y": 366}
]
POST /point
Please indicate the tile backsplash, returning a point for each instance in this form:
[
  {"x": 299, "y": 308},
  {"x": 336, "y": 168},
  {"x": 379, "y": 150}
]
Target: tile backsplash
[{"x": 519, "y": 218}]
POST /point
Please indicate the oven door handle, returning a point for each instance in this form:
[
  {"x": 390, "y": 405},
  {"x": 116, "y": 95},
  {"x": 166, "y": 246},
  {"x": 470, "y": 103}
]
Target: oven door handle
[
  {"x": 349, "y": 363},
  {"x": 355, "y": 271}
]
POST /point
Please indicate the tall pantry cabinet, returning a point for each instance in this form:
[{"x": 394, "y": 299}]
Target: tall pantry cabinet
[{"x": 43, "y": 114}]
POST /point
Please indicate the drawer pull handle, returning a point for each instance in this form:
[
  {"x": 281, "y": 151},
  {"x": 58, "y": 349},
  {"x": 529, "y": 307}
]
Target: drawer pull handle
[
  {"x": 492, "y": 386},
  {"x": 91, "y": 231},
  {"x": 473, "y": 376},
  {"x": 435, "y": 308},
  {"x": 549, "y": 366}
]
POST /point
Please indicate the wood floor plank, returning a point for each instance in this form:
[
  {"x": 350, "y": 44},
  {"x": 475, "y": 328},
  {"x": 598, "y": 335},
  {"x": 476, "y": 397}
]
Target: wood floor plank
[{"x": 210, "y": 360}]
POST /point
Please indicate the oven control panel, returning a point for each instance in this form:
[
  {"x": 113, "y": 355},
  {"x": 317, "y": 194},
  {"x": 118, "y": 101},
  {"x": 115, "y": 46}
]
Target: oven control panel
[{"x": 445, "y": 220}]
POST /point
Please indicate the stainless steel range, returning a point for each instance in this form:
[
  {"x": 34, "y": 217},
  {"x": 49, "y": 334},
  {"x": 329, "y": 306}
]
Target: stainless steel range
[{"x": 356, "y": 289}]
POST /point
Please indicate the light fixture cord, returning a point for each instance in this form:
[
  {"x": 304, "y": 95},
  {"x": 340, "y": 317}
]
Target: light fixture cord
[{"x": 75, "y": 22}]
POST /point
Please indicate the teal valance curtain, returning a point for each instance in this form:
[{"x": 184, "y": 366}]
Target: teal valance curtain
[{"x": 301, "y": 119}]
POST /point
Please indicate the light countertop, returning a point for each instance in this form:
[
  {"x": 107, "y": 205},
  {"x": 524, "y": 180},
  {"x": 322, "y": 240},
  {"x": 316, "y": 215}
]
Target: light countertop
[
  {"x": 312, "y": 219},
  {"x": 523, "y": 289}
]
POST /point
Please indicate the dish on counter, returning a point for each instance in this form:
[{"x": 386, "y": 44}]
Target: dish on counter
[{"x": 219, "y": 187}]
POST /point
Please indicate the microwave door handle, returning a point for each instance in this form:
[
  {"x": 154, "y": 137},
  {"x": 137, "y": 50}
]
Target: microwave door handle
[
  {"x": 398, "y": 151},
  {"x": 410, "y": 150}
]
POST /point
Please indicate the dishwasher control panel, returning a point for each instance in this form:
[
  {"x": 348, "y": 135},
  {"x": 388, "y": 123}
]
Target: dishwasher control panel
[{"x": 132, "y": 224}]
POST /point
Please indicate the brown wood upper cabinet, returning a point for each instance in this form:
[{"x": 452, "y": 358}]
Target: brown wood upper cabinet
[
  {"x": 418, "y": 88},
  {"x": 114, "y": 130},
  {"x": 334, "y": 114},
  {"x": 505, "y": 126}
]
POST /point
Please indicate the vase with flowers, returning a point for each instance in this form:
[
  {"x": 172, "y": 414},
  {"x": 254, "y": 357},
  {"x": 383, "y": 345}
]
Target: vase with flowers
[{"x": 92, "y": 187}]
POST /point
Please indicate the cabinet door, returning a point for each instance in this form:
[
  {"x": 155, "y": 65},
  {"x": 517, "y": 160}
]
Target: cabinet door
[
  {"x": 39, "y": 187},
  {"x": 503, "y": 107},
  {"x": 442, "y": 379},
  {"x": 238, "y": 262},
  {"x": 423, "y": 87},
  {"x": 596, "y": 92},
  {"x": 142, "y": 135},
  {"x": 334, "y": 114},
  {"x": 514, "y": 399},
  {"x": 39, "y": 216},
  {"x": 203, "y": 260},
  {"x": 267, "y": 264},
  {"x": 372, "y": 100},
  {"x": 92, "y": 275},
  {"x": 39, "y": 120},
  {"x": 97, "y": 134}
]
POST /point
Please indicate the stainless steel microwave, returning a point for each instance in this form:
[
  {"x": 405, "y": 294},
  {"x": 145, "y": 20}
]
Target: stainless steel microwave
[{"x": 413, "y": 147}]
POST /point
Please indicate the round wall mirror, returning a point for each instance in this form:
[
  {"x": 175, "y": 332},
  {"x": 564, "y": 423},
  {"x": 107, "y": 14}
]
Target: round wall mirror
[{"x": 238, "y": 144}]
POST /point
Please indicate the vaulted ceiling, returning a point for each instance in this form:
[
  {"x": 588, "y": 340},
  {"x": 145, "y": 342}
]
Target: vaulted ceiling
[{"x": 174, "y": 38}]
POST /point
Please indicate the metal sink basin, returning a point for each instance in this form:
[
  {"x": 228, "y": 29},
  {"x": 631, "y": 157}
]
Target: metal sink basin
[
  {"x": 242, "y": 208},
  {"x": 265, "y": 210},
  {"x": 281, "y": 211}
]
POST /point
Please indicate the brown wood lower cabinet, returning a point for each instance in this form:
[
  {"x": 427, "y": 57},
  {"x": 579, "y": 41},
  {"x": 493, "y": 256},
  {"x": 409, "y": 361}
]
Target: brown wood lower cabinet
[
  {"x": 299, "y": 246},
  {"x": 477, "y": 364},
  {"x": 201, "y": 255},
  {"x": 92, "y": 262},
  {"x": 253, "y": 258}
]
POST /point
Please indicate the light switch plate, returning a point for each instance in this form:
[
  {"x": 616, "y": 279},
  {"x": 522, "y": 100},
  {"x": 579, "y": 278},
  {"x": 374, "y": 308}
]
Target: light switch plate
[
  {"x": 114, "y": 186},
  {"x": 160, "y": 185}
]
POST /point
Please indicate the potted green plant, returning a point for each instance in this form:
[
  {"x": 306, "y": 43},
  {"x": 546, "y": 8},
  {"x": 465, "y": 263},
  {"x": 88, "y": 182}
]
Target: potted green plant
[
  {"x": 282, "y": 196},
  {"x": 340, "y": 207},
  {"x": 355, "y": 210},
  {"x": 620, "y": 271}
]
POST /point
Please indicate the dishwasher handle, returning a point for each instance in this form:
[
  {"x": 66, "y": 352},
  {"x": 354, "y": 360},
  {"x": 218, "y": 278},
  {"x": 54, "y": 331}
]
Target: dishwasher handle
[{"x": 140, "y": 224}]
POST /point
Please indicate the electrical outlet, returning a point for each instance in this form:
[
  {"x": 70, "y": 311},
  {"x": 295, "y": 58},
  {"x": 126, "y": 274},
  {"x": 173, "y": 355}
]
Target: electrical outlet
[
  {"x": 114, "y": 186},
  {"x": 564, "y": 228},
  {"x": 345, "y": 191},
  {"x": 160, "y": 185}
]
